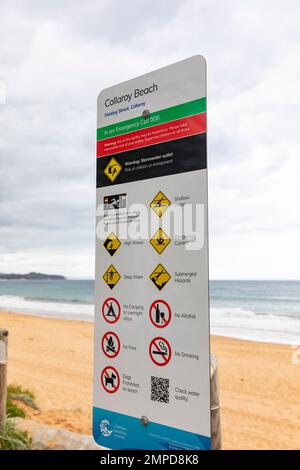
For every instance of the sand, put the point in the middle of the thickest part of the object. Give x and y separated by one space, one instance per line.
260 385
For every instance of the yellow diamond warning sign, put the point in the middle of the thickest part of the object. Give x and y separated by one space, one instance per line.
111 276
160 276
112 243
160 203
160 241
112 170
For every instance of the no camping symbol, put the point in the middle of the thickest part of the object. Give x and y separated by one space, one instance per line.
110 344
160 351
111 310
110 379
160 313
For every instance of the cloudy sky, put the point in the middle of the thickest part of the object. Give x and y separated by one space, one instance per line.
55 56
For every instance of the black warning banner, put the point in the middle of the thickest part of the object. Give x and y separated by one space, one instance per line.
169 158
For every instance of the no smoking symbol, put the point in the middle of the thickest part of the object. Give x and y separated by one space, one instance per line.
110 379
160 313
110 344
160 351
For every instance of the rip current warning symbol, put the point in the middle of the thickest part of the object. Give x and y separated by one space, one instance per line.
160 313
111 276
110 344
160 351
112 243
160 204
111 310
160 277
160 241
110 379
112 170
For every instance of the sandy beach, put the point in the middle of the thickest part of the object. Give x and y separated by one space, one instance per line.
260 386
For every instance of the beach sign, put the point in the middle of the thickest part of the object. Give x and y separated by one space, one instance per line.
151 356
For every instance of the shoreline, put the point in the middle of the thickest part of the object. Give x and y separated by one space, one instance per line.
90 319
259 383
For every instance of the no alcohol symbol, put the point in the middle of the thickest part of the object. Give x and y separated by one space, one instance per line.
160 313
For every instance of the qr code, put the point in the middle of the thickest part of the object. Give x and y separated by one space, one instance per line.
160 389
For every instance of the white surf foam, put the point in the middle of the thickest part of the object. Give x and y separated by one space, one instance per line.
245 324
68 311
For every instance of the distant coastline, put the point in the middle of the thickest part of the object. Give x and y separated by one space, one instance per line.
32 277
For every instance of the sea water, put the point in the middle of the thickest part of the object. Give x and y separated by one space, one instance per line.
256 310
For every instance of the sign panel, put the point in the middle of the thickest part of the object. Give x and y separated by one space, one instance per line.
151 374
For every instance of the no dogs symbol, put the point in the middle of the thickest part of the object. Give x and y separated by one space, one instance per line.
110 379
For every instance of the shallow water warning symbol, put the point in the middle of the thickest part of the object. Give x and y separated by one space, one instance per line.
160 241
111 276
160 276
112 243
160 204
112 170
160 351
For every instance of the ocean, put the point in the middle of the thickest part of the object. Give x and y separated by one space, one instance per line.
266 311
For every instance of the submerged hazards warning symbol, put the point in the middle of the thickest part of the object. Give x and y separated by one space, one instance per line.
160 277
112 243
111 276
160 241
160 204
112 170
160 351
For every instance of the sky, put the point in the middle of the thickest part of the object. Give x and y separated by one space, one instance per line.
55 57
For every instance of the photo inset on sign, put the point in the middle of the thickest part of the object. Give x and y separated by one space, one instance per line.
110 344
110 379
160 351
111 310
160 313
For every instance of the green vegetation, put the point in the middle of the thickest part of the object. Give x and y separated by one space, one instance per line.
13 439
15 393
10 437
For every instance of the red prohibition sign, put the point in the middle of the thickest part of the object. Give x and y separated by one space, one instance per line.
160 351
110 379
160 313
110 344
111 310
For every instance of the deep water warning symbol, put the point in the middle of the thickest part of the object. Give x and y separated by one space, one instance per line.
160 241
112 170
112 243
160 277
111 276
160 204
